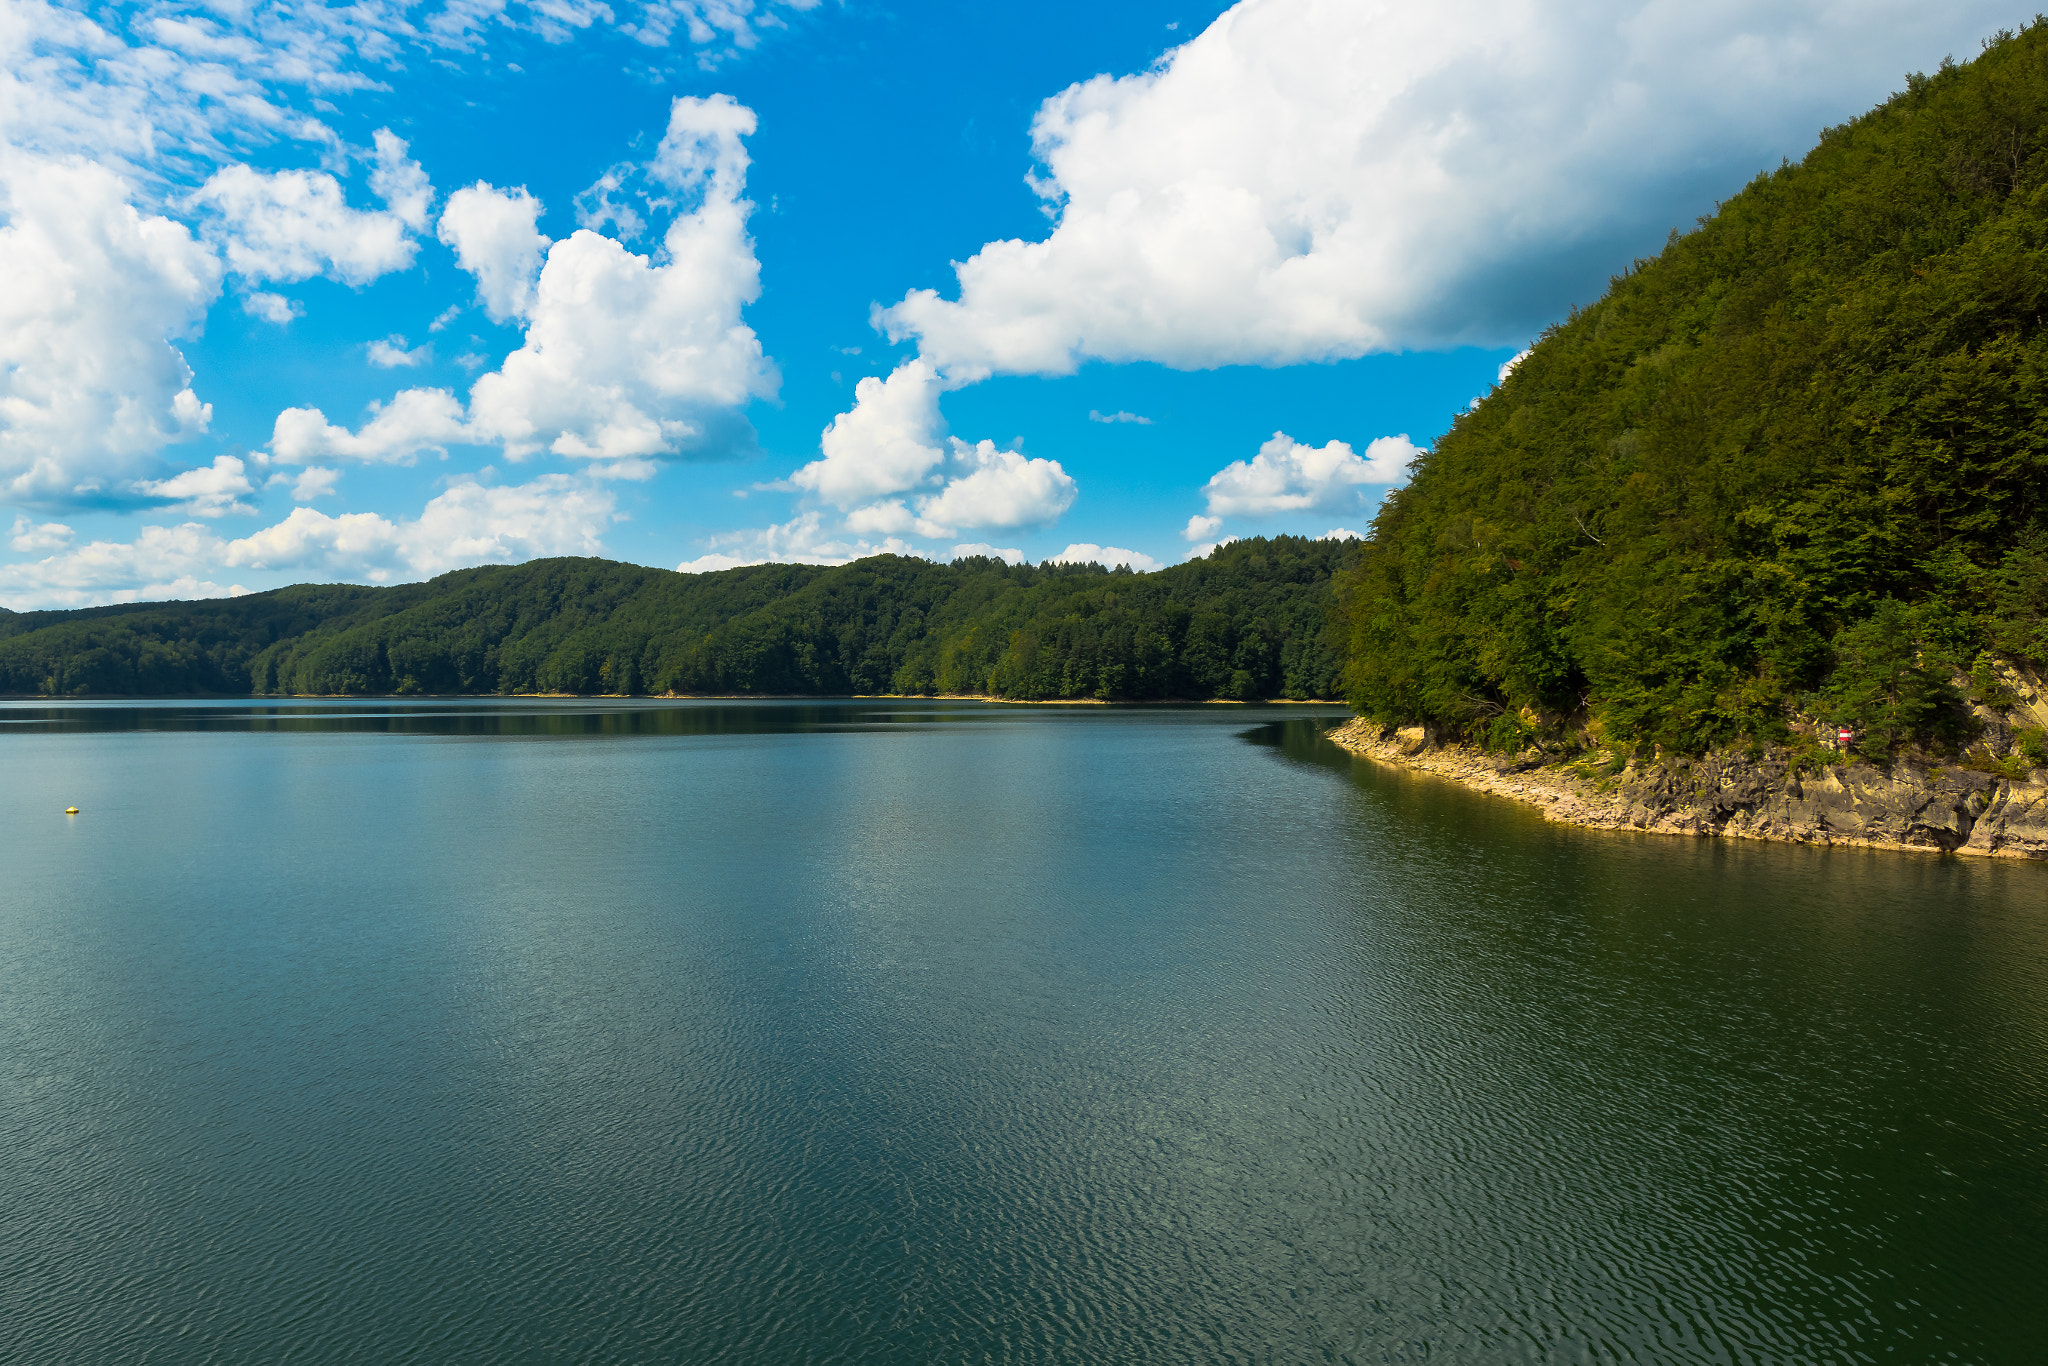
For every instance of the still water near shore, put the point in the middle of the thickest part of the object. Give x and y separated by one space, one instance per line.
936 1032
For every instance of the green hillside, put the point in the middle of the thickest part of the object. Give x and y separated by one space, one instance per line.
1254 619
1798 462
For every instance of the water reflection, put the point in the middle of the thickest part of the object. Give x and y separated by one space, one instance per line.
542 717
877 1031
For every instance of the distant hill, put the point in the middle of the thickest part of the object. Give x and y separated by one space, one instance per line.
1254 619
1797 463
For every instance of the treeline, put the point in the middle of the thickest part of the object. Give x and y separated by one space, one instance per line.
1255 619
1798 462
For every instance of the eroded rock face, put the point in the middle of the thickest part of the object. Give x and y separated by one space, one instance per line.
1911 807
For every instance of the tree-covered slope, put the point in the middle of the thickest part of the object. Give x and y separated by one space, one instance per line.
1254 619
1798 461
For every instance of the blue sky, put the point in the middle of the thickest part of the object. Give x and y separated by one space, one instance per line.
376 291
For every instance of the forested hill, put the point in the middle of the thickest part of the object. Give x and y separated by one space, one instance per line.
1254 619
1798 462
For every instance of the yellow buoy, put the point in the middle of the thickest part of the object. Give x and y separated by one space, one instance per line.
70 810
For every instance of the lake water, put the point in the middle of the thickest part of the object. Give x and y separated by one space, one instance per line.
943 1032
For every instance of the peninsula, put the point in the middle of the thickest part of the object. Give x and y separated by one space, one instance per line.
1758 542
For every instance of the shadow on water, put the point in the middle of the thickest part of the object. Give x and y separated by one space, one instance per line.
532 718
1810 1083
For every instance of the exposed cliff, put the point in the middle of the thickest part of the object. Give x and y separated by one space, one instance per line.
1778 795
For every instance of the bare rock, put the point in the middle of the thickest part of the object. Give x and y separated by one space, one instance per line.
1912 806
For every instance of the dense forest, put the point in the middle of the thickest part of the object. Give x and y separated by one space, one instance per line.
1796 463
1254 619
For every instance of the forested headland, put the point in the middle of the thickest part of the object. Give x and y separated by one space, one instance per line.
1254 619
1795 465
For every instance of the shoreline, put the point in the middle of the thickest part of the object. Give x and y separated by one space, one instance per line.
686 697
1913 808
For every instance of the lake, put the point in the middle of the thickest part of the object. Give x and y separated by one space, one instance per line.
876 1031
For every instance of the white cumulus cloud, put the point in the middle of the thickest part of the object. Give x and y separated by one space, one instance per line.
1314 179
629 357
469 523
311 483
294 225
1108 556
395 433
110 115
209 491
272 308
1288 476
400 181
998 488
494 236
390 353
1008 555
95 294
626 357
30 538
804 539
890 440
893 443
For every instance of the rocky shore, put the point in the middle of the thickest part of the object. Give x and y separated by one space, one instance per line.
1912 806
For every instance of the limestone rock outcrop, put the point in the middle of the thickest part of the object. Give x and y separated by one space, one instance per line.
1911 806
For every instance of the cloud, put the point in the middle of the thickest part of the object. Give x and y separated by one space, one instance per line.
495 239
890 440
395 433
626 356
1287 476
208 491
702 154
390 353
804 539
1203 551
1309 180
313 482
718 28
400 181
91 385
29 538
1109 556
1340 533
998 489
272 308
106 124
1507 368
712 563
972 548
891 443
1094 416
1199 527
294 225
468 524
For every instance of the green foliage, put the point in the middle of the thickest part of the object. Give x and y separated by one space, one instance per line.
1884 683
2032 742
2019 601
1255 619
1803 451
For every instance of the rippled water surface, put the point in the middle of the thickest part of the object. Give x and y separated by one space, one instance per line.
880 1032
